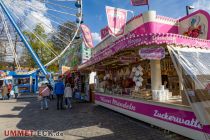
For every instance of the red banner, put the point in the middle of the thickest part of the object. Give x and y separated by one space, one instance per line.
88 40
139 2
104 32
116 20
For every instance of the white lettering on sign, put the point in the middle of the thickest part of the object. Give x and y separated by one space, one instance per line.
158 38
105 100
125 105
192 123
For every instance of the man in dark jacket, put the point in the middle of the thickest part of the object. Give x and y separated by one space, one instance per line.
59 91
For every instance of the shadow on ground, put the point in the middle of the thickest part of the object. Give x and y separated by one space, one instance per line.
84 121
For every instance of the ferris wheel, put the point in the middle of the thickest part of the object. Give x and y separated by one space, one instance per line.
52 24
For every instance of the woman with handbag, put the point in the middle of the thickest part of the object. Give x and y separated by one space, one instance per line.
44 91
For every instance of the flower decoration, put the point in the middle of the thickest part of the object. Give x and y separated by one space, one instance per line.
195 28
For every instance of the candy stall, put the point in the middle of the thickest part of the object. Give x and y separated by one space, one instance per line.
157 72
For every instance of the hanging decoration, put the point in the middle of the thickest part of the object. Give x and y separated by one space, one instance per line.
104 32
88 40
116 20
137 76
139 2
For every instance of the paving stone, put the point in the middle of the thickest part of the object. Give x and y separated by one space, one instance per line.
84 121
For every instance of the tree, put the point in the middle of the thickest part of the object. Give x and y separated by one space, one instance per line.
64 35
36 39
61 39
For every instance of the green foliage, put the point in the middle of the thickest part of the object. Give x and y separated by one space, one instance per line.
64 35
39 42
62 38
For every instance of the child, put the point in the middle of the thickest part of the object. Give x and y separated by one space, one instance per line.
68 94
44 91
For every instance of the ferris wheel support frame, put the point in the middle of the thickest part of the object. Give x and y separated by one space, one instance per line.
27 45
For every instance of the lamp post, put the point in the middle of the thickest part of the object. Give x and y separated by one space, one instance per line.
189 8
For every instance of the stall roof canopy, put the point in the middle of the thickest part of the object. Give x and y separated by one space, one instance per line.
133 40
24 75
152 29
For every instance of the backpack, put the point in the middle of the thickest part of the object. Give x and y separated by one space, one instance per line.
44 91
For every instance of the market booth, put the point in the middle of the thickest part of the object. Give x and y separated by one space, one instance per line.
158 72
80 82
27 82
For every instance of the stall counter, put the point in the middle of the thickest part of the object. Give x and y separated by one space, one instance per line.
173 117
24 88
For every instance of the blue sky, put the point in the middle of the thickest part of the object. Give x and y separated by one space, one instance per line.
94 11
95 16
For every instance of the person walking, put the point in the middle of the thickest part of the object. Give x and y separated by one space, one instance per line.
59 91
51 91
16 91
5 91
68 94
44 92
9 87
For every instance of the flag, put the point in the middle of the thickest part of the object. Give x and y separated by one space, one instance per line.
116 20
104 32
88 40
139 2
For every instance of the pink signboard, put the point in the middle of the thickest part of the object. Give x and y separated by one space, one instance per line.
104 32
134 40
171 115
195 25
152 53
139 2
116 20
87 36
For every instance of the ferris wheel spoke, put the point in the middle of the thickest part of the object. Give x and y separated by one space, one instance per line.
63 52
39 38
57 17
50 9
37 10
42 41
64 0
62 6
52 29
10 40
57 24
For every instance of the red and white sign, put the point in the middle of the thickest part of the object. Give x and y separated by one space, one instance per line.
88 40
104 32
139 2
116 20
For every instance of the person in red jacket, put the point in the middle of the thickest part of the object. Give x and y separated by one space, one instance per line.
9 89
